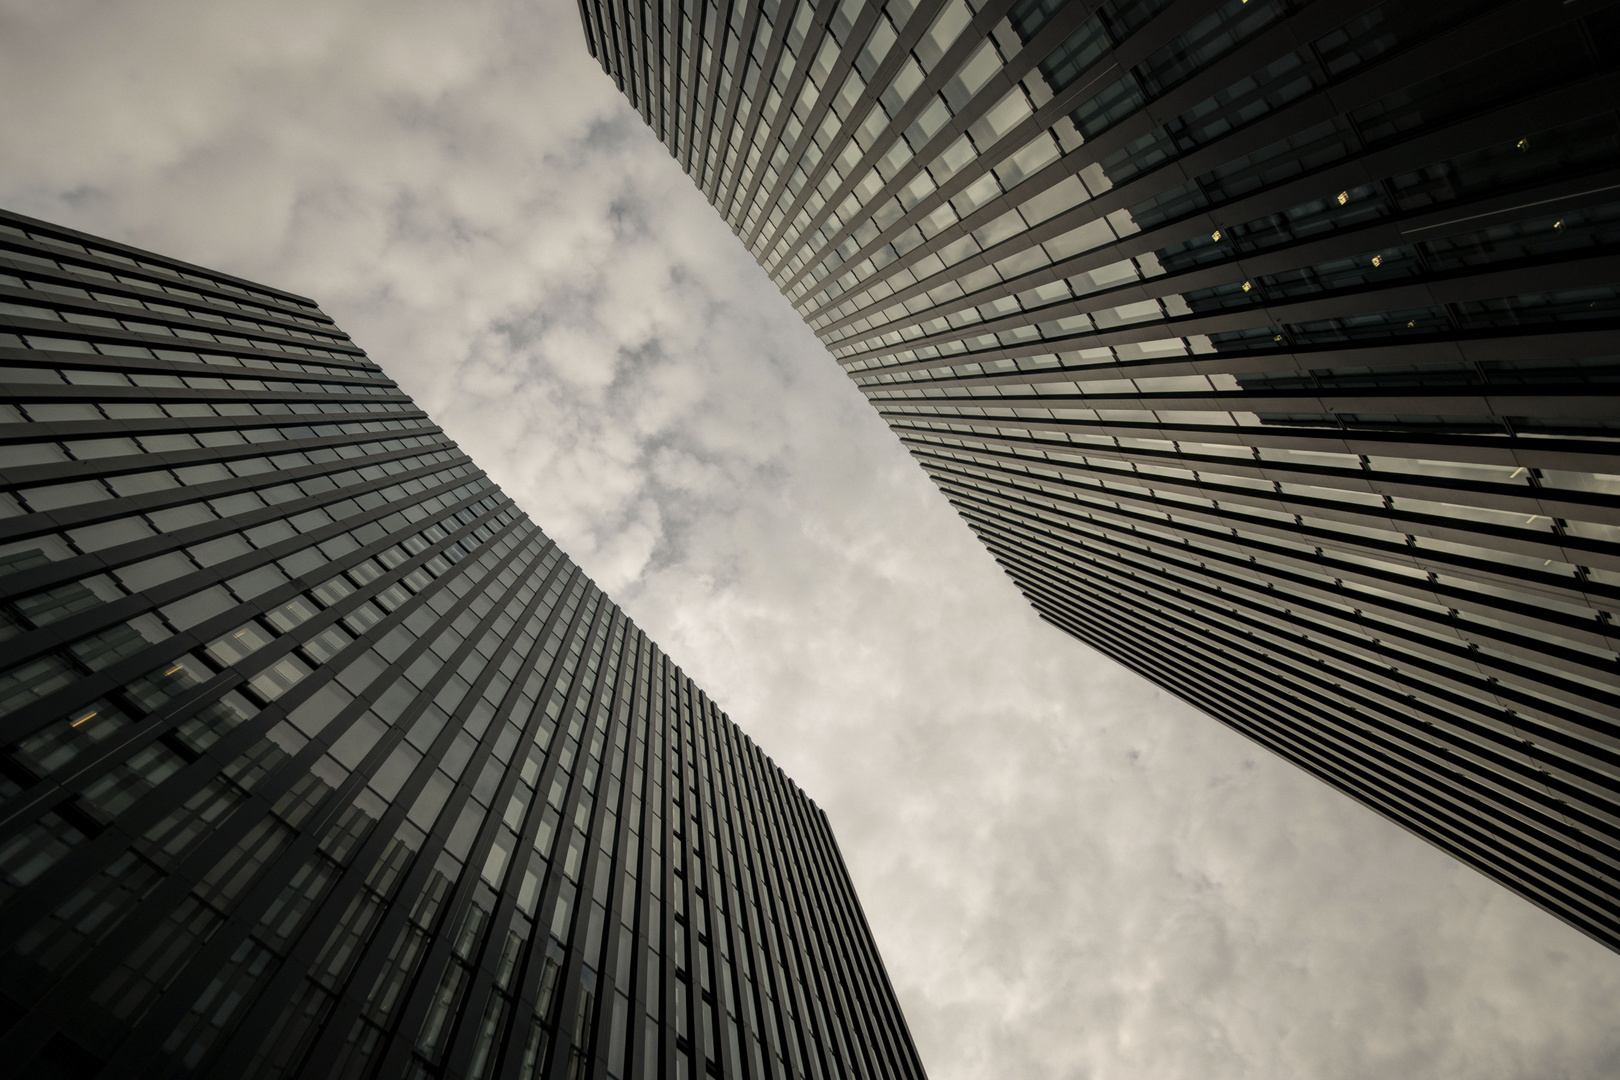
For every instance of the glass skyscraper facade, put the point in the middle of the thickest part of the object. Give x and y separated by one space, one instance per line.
318 759
1269 345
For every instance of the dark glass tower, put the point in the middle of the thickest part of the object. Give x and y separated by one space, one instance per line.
1272 347
320 760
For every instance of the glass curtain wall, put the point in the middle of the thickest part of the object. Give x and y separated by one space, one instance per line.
319 759
1269 345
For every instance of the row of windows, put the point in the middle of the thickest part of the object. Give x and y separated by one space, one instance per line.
162 276
1058 314
1542 561
1212 590
56 376
121 479
30 308
23 684
70 341
1416 542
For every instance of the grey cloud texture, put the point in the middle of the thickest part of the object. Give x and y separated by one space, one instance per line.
1070 873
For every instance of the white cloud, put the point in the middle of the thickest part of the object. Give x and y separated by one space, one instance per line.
1070 873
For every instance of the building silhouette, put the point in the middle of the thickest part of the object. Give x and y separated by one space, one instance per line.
1270 346
321 760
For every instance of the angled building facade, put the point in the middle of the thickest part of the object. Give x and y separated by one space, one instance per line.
318 759
1269 345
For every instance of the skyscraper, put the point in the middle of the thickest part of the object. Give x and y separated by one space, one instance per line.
321 760
1269 345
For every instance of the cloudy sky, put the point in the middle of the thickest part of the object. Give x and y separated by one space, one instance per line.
1070 874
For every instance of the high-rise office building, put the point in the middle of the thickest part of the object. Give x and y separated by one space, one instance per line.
318 759
1272 347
